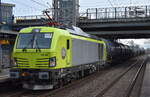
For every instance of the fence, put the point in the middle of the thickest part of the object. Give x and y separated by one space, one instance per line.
117 12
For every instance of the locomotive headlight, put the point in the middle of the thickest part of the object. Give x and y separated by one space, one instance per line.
52 62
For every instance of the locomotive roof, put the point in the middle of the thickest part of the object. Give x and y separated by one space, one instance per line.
78 31
74 31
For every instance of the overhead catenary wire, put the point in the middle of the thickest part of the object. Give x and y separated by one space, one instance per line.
26 5
110 3
87 3
43 1
41 4
93 6
30 9
48 4
96 4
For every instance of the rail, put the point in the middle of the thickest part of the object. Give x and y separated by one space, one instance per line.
101 94
132 84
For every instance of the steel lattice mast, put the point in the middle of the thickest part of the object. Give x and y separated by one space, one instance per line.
66 11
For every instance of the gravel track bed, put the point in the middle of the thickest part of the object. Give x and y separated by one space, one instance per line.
120 88
91 87
136 92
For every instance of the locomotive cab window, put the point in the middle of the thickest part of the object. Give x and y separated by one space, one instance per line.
34 40
68 44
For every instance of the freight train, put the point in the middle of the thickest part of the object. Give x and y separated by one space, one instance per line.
48 57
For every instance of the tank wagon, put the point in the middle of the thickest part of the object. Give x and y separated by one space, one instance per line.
47 57
117 52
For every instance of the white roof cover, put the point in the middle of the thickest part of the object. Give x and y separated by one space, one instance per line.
78 31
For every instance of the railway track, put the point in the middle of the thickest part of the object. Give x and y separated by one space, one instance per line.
94 89
134 88
128 91
130 88
78 88
65 90
28 93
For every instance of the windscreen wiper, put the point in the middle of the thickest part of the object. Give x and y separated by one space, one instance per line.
31 41
37 47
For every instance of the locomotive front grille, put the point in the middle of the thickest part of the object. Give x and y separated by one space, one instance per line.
22 62
42 62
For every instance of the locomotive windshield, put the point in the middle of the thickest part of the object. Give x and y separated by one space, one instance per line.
34 41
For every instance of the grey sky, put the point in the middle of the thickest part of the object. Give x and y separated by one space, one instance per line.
29 7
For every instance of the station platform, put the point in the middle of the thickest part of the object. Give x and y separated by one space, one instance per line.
145 91
4 75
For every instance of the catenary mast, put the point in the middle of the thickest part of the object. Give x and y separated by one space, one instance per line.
66 11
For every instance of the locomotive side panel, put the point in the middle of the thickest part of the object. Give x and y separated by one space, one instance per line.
84 52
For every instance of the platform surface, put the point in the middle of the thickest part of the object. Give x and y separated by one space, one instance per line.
4 75
145 91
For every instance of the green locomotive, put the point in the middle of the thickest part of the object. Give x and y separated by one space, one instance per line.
45 57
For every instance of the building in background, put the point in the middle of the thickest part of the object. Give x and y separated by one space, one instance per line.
6 36
6 16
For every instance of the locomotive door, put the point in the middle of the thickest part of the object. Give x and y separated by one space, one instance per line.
101 52
68 47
